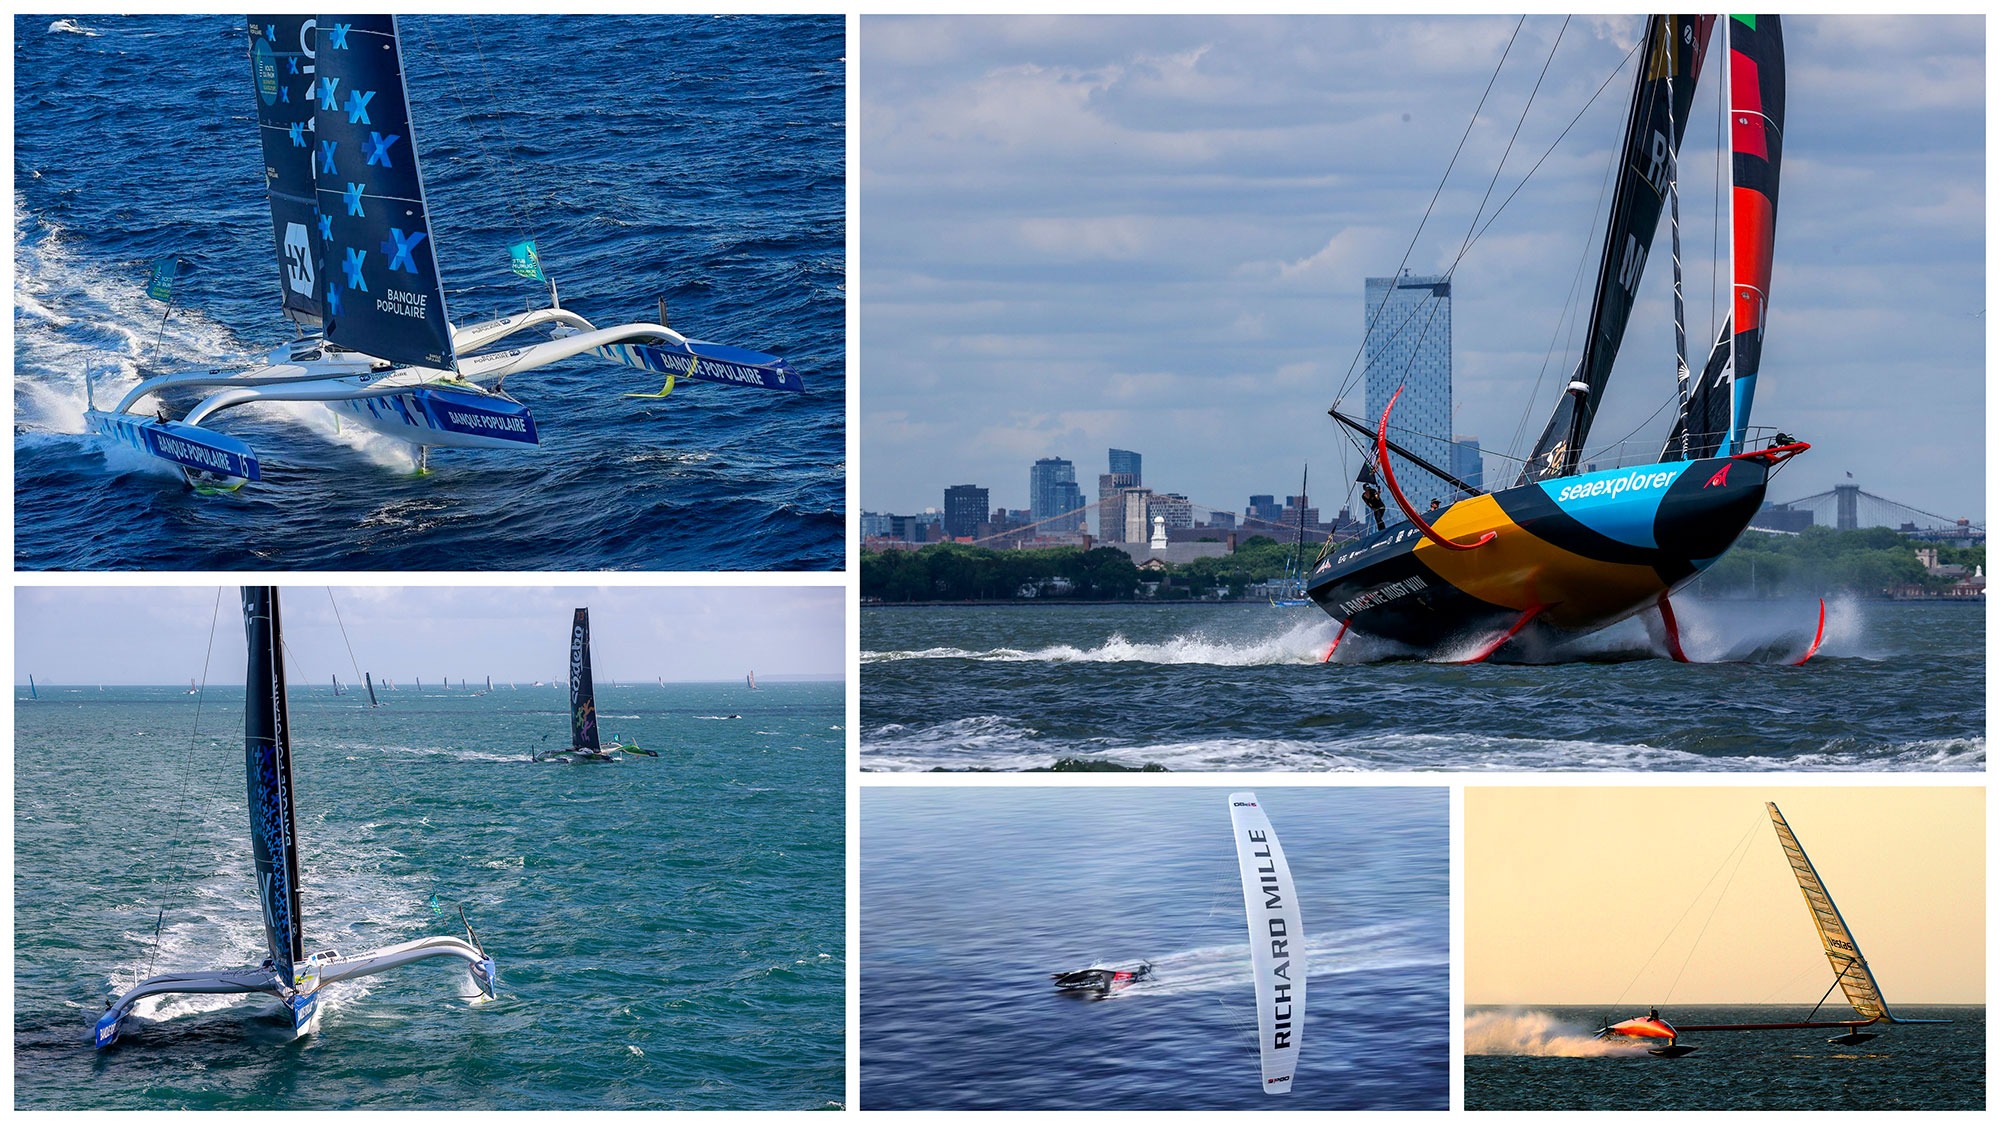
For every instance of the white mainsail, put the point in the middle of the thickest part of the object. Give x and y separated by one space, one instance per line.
1277 941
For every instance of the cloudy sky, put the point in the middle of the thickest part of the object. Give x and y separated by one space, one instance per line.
1151 233
1570 894
160 635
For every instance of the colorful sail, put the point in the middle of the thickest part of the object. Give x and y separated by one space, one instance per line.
282 69
1661 98
582 696
267 759
32 693
1834 937
381 290
1756 142
1277 941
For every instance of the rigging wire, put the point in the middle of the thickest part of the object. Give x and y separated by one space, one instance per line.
355 664
179 853
1347 380
1740 845
1482 229
1712 911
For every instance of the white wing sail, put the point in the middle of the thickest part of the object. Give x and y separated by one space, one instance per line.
1848 964
1277 941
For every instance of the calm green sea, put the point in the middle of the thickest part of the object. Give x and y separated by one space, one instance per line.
670 932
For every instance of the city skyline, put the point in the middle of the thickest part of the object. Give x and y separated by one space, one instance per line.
1184 281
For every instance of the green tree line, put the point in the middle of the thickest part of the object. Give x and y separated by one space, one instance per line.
1819 560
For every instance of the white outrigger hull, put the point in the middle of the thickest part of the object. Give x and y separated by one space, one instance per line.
301 1002
428 408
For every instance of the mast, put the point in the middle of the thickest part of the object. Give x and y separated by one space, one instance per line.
1674 46
582 696
381 288
267 761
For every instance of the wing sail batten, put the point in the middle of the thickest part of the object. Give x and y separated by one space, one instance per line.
1856 980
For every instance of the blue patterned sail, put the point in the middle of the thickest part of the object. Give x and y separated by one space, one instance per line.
380 284
267 759
582 696
281 66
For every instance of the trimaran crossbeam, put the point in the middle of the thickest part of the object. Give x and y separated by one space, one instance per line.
1850 969
359 276
288 973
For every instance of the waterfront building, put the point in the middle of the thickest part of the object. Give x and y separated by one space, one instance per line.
964 510
1126 461
1466 463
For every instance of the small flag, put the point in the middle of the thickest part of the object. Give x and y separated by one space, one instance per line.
525 261
435 907
161 286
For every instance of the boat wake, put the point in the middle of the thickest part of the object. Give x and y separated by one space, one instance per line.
1364 949
1299 644
1529 1032
1712 631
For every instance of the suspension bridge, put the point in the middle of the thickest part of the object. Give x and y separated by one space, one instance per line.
1845 507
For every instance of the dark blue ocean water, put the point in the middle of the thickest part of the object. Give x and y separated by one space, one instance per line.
696 158
970 898
1193 687
1545 1058
670 932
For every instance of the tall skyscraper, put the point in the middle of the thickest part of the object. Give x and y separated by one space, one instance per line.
1126 461
1408 321
1054 496
1466 463
964 510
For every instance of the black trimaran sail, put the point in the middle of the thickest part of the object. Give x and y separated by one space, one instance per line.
1673 53
351 230
582 697
267 760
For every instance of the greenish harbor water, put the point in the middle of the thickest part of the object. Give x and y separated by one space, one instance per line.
670 932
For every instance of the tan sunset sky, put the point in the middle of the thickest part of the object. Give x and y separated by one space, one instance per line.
1569 890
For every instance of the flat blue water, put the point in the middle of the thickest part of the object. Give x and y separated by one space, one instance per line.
970 898
670 932
1545 1059
1896 686
693 158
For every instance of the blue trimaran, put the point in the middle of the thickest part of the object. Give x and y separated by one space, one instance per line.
287 972
360 278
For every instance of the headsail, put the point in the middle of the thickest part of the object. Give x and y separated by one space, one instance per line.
582 697
1835 938
267 759
1277 941
381 287
282 68
1673 53
1756 141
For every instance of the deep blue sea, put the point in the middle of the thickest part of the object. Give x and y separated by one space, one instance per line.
700 159
1896 686
971 897
1546 1059
670 932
